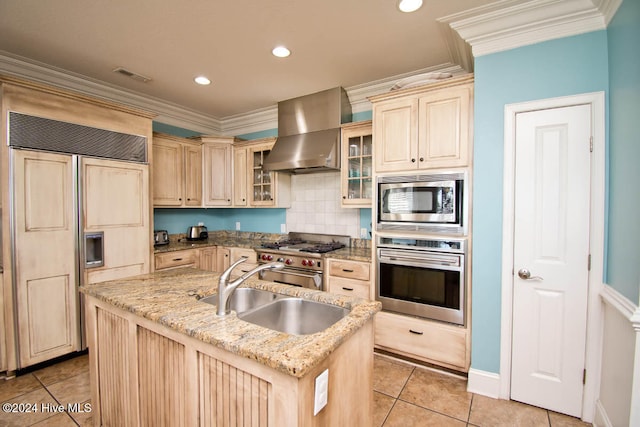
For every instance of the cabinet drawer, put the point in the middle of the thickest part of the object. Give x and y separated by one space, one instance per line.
350 288
349 269
237 253
433 342
176 259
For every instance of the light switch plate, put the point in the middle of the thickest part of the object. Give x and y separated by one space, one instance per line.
283 228
238 225
322 392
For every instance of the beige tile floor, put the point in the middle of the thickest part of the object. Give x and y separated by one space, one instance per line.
405 395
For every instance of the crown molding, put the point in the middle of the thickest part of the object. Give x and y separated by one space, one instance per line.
168 113
176 115
508 24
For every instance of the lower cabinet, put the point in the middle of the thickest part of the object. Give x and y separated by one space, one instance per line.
207 258
186 258
433 342
350 278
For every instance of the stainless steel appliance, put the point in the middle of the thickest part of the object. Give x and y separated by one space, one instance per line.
302 254
197 232
309 132
421 202
160 237
422 277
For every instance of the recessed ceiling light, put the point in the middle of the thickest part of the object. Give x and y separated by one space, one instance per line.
202 80
281 52
409 5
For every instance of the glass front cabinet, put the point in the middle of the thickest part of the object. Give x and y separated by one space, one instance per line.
357 167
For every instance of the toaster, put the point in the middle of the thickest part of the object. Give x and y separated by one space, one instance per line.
160 237
197 233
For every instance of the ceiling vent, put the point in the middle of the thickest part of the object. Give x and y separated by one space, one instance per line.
131 74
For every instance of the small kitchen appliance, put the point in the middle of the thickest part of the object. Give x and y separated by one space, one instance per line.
197 232
160 237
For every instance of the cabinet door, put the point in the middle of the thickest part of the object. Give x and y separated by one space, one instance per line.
262 189
444 117
167 173
217 172
396 135
222 259
45 256
240 177
357 166
207 259
193 175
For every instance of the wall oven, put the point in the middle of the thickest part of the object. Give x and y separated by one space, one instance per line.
421 202
422 277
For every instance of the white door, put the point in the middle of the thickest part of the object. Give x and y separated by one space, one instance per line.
45 256
551 249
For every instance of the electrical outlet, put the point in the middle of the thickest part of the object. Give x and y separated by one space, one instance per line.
283 228
364 233
237 225
201 223
322 392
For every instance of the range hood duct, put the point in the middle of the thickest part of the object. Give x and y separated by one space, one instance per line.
309 133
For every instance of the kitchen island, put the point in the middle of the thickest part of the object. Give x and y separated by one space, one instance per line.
159 356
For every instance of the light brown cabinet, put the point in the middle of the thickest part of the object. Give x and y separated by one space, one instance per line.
350 278
217 174
175 259
177 171
253 186
433 342
357 165
208 258
424 128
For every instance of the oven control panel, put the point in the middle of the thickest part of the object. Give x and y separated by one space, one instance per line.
442 245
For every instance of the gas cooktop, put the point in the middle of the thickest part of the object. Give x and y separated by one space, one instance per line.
308 242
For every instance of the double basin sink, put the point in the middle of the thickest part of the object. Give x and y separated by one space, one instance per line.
282 313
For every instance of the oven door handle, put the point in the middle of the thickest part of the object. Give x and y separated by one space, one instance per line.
426 261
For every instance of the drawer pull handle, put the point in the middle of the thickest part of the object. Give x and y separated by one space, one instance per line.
347 270
416 332
347 289
177 259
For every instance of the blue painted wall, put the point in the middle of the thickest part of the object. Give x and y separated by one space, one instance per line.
178 220
174 130
623 255
568 66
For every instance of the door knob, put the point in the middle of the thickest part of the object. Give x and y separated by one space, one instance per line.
525 274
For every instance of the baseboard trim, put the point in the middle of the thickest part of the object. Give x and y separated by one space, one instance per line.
601 419
484 383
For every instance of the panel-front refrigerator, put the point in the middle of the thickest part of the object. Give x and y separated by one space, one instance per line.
74 220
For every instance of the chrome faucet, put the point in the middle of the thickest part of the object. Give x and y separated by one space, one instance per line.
226 289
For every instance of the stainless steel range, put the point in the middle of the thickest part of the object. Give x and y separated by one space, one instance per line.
302 254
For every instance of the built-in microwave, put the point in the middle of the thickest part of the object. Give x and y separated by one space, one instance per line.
429 202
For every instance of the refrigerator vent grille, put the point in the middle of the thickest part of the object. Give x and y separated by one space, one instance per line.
51 135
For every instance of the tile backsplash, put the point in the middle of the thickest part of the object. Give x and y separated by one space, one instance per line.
315 206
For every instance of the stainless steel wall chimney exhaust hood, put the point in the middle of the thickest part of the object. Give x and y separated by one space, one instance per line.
309 132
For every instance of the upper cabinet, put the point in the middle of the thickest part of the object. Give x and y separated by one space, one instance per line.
357 165
257 187
425 127
177 171
218 174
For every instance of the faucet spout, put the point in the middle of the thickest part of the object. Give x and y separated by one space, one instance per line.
226 289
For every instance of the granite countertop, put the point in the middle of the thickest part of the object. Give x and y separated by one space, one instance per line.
170 298
229 240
